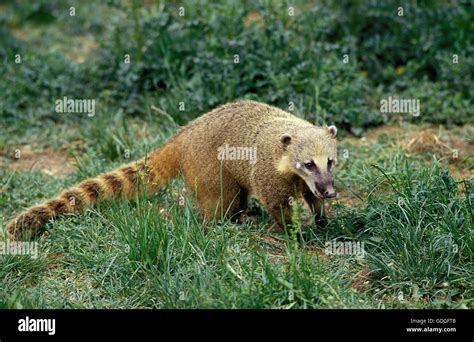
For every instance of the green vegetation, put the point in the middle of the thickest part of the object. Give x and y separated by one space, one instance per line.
282 58
411 207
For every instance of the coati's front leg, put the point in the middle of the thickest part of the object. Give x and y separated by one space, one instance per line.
217 193
317 208
282 216
277 193
279 208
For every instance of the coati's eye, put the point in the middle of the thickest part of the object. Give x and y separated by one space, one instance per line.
331 164
309 165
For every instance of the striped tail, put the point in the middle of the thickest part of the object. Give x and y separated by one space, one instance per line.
153 173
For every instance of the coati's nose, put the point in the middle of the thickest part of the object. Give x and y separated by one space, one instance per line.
329 194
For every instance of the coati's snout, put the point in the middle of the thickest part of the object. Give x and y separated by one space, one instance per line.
312 155
326 190
318 176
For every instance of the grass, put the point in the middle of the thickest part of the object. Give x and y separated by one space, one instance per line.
407 199
154 253
283 59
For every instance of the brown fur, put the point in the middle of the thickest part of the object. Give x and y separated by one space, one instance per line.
283 142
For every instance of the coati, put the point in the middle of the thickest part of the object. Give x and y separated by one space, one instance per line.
294 159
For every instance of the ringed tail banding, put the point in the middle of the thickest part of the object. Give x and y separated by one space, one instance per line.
122 182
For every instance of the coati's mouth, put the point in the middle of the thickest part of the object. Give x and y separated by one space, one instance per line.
328 194
314 190
324 190
317 191
318 194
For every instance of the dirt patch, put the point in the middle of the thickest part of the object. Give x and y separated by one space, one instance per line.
49 161
19 34
85 45
254 18
347 198
460 173
390 130
455 151
273 246
319 252
462 145
415 139
361 281
79 51
55 260
452 146
426 141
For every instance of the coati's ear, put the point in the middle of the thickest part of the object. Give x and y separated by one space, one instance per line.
285 139
332 130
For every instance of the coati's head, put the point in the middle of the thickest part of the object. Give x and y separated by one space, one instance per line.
311 154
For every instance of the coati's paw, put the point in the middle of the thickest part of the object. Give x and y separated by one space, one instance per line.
321 221
275 228
245 218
